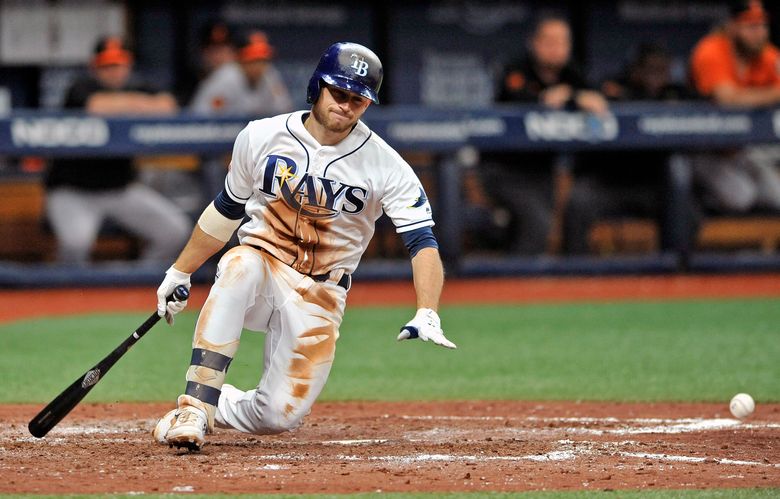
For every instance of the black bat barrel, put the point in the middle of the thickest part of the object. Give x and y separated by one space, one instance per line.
58 408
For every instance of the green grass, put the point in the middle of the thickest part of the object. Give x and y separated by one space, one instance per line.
676 351
622 494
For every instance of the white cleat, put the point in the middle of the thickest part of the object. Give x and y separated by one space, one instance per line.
188 429
162 427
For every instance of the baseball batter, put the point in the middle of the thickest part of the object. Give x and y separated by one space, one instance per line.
313 184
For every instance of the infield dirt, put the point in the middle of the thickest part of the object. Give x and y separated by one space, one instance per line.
404 447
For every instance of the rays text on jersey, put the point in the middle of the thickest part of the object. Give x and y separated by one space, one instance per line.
311 196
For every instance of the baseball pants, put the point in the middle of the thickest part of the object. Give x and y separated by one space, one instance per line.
301 320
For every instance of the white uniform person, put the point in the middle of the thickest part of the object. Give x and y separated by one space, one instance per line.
252 85
313 184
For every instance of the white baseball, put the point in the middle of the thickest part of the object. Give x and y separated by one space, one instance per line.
742 405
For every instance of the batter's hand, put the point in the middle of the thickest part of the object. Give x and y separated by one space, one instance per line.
426 325
172 279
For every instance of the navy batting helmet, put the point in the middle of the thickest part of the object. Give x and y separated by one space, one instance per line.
348 66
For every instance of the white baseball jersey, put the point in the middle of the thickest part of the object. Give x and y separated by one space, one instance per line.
314 207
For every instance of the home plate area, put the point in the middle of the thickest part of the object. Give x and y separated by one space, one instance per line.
347 447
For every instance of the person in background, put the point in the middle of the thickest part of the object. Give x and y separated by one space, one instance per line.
648 77
620 184
737 66
546 73
252 85
523 183
217 47
82 192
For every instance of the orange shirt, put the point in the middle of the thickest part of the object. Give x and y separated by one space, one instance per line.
713 62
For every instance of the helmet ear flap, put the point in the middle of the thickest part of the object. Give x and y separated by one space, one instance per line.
313 92
314 89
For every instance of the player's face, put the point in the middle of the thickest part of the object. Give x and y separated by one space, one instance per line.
751 38
551 44
113 75
338 110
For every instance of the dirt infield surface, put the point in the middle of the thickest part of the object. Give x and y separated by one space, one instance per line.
422 446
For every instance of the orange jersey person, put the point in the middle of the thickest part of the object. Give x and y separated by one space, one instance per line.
737 65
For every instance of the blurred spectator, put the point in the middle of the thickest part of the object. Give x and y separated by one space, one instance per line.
547 75
523 183
83 192
738 66
250 86
647 78
217 48
620 184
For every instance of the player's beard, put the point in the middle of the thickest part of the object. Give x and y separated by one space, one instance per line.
323 117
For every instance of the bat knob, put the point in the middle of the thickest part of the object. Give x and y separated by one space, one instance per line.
181 293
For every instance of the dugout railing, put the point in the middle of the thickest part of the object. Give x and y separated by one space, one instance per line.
446 134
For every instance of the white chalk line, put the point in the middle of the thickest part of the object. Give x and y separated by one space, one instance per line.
627 426
580 420
692 459
686 427
272 467
423 458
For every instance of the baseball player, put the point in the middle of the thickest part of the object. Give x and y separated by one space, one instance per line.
313 184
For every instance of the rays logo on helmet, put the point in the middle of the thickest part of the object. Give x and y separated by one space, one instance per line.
359 65
348 66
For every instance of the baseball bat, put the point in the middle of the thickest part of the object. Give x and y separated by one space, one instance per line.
65 402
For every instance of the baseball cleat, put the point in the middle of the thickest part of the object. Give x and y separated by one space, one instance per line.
188 430
163 425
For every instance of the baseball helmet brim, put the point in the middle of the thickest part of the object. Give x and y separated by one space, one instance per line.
351 86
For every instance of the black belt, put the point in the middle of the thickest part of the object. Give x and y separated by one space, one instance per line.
345 281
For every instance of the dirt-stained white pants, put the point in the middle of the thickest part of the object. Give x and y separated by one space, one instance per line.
301 319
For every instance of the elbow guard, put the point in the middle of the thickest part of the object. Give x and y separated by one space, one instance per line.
217 225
